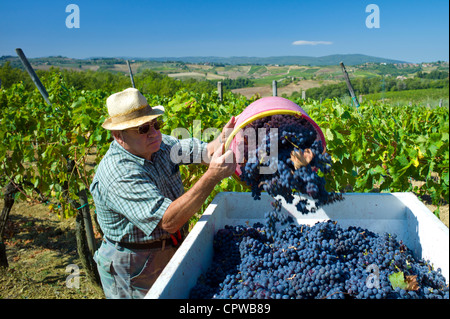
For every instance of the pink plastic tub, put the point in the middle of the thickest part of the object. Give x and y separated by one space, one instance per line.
263 107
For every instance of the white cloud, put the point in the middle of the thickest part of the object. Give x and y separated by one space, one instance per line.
303 42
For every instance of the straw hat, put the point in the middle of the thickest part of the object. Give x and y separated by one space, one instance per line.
129 108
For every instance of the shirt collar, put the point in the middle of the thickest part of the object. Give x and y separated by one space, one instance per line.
115 145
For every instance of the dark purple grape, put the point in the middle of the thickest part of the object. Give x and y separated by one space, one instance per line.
285 179
323 261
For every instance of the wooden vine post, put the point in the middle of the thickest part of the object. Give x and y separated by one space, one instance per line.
349 85
131 74
10 191
86 244
220 90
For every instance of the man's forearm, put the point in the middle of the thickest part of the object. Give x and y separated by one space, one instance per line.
184 207
221 164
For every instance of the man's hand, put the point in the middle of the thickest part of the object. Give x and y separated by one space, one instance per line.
219 142
227 129
222 164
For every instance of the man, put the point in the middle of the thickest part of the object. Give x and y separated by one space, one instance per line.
140 201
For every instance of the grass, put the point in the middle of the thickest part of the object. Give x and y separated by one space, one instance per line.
423 97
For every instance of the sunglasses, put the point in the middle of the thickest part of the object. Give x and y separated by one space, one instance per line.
145 128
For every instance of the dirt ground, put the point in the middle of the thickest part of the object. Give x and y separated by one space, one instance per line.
41 252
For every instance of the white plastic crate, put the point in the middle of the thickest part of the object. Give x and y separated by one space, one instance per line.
396 213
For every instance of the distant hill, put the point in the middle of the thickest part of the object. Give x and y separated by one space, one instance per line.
335 59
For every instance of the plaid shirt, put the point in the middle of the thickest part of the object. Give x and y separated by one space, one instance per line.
131 194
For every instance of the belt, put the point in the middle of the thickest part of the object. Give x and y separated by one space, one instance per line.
152 245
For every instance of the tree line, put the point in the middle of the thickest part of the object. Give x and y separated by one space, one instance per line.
147 81
435 75
380 84
151 82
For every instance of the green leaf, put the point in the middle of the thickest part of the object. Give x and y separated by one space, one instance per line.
359 155
398 280
445 137
445 178
437 212
377 170
81 140
339 136
403 160
346 116
329 134
36 182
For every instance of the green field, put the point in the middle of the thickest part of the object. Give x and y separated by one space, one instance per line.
423 97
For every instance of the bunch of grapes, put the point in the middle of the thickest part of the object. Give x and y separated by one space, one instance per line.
291 172
323 261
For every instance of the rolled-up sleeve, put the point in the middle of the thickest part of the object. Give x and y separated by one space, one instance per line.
187 151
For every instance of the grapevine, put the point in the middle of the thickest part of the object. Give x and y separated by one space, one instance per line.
380 147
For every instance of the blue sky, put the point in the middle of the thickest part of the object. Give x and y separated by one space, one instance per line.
414 31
